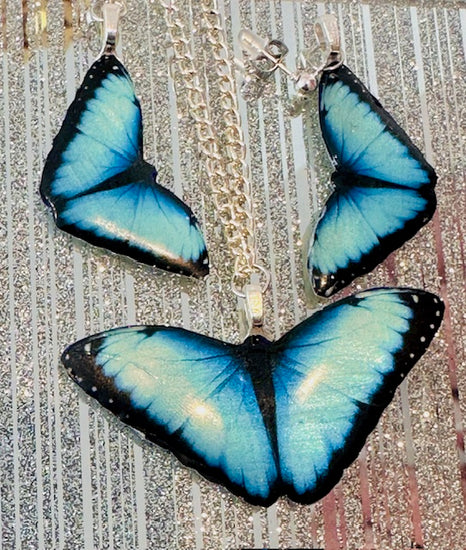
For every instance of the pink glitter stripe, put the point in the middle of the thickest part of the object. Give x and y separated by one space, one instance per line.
330 522
451 354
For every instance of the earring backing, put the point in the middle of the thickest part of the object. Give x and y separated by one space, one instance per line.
263 57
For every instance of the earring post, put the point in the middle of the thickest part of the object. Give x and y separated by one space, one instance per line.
258 48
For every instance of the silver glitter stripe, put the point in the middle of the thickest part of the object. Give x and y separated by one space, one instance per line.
12 297
34 309
87 501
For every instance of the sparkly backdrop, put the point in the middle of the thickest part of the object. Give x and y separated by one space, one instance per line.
73 477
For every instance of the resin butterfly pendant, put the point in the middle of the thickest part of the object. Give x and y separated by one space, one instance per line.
264 419
384 188
101 190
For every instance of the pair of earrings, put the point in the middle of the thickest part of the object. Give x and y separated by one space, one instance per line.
100 188
265 419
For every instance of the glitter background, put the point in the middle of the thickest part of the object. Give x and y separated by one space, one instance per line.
73 477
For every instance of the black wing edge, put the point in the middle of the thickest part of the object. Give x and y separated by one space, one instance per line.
79 362
428 312
344 74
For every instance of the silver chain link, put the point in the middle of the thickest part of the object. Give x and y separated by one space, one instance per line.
225 160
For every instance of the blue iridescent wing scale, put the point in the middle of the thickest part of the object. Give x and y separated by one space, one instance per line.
384 188
187 392
335 373
101 190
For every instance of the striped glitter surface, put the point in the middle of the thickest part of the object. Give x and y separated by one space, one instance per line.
71 475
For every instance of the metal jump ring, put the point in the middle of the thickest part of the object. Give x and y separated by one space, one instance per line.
258 267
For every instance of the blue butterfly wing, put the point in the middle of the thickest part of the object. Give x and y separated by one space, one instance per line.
334 375
384 187
101 190
359 226
186 392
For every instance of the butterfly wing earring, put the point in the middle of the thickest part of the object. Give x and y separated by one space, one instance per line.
384 187
97 183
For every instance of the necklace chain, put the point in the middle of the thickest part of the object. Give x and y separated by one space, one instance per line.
227 172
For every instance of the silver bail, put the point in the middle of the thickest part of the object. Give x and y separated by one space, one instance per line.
325 56
328 37
252 301
111 13
326 30
254 305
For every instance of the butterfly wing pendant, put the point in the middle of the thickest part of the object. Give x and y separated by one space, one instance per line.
101 190
384 188
265 419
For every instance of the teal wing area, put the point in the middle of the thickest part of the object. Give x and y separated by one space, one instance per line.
100 189
334 375
132 215
186 392
359 226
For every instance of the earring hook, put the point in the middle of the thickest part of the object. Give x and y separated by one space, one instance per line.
266 57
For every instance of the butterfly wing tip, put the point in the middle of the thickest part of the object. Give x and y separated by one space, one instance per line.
78 359
197 270
202 273
428 309
439 308
44 192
